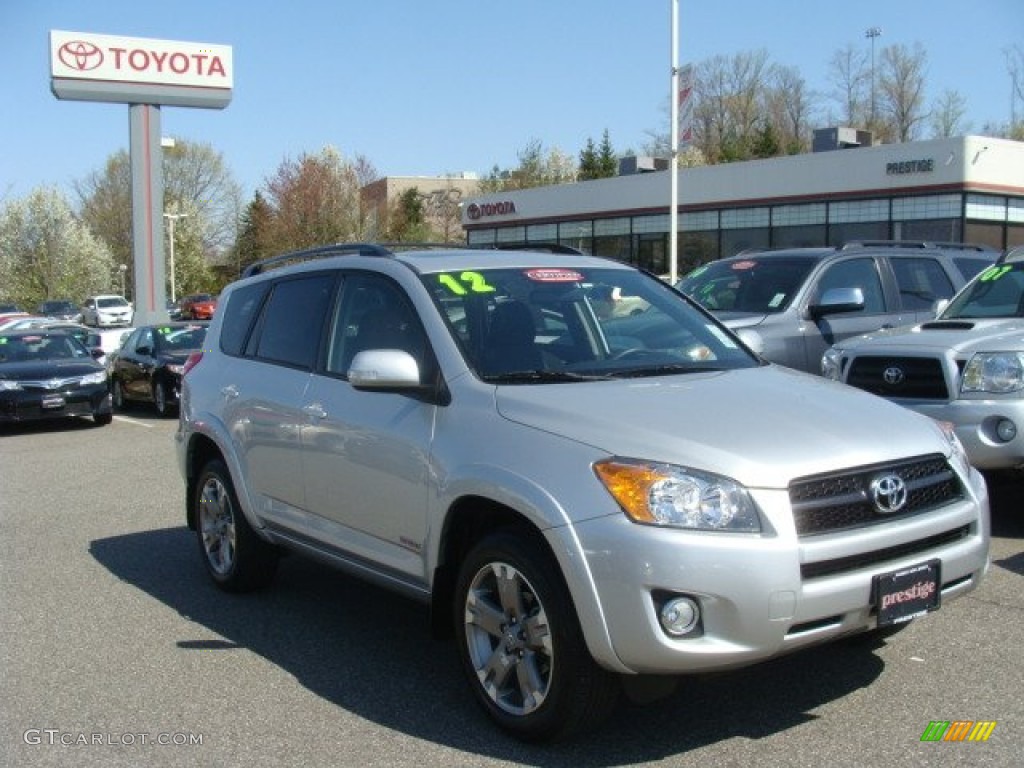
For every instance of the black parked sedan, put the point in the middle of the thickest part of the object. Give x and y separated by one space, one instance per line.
49 374
147 368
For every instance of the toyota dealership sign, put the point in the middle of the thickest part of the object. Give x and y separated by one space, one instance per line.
90 67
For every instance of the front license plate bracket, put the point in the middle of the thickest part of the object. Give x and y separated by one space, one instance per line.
905 594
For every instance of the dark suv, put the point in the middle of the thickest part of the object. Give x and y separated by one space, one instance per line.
802 300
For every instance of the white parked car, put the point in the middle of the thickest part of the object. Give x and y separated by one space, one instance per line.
107 311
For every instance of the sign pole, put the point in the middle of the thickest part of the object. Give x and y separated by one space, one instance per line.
673 235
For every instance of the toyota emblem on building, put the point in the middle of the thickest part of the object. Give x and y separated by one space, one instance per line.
894 376
80 55
889 493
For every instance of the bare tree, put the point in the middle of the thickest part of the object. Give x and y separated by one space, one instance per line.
901 86
729 98
947 115
789 105
850 75
1015 67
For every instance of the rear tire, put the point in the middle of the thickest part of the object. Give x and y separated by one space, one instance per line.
161 399
520 642
117 395
236 558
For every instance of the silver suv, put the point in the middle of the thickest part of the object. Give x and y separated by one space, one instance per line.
965 366
800 301
587 500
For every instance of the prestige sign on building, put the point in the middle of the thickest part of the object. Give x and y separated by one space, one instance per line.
90 67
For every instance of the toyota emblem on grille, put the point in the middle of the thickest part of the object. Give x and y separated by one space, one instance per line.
889 493
894 375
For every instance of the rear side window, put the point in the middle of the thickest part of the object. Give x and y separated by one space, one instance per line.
921 282
292 320
243 307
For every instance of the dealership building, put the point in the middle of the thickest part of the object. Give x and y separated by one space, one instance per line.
964 189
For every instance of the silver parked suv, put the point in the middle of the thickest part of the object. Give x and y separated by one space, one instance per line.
588 500
965 366
800 301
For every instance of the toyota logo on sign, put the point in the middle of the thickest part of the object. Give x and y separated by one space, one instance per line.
889 493
80 55
473 211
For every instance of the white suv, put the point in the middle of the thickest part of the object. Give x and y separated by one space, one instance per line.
586 499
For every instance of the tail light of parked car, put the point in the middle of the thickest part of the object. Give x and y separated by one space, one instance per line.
192 362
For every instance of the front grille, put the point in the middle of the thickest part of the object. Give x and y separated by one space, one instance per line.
839 501
875 557
919 377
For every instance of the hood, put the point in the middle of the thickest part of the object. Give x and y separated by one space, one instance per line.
962 337
761 426
43 370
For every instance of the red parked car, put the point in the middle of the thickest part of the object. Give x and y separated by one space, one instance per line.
198 306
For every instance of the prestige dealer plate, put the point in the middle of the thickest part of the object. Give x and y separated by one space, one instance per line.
906 594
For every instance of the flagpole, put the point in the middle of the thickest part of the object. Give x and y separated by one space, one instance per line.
673 236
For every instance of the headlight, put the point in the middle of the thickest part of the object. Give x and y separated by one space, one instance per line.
831 364
678 497
9 386
997 372
959 454
94 378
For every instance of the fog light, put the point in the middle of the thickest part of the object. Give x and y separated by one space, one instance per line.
679 616
1006 430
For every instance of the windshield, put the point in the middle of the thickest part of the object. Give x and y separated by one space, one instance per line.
525 325
172 339
996 292
111 302
42 346
748 284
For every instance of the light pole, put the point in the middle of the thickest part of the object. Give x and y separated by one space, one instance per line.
872 33
171 218
122 268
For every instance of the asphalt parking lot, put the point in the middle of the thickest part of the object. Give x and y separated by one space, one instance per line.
118 652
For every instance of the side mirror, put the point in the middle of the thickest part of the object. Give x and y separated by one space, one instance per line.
838 300
384 369
939 307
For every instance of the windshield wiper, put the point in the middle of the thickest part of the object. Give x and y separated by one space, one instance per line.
662 370
526 377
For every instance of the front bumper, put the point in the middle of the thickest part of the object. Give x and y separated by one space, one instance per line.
34 405
975 422
755 601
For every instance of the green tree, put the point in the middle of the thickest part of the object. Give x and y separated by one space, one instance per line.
47 253
254 241
598 162
192 271
537 168
406 219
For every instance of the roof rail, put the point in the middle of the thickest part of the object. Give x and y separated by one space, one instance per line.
541 248
912 244
322 252
1012 255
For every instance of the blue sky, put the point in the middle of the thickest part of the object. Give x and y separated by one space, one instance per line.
429 88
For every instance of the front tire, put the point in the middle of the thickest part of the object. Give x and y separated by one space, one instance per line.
117 395
236 558
521 645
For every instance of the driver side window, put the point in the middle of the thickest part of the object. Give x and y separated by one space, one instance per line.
855 273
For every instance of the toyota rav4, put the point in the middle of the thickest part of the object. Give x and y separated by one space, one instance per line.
587 500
